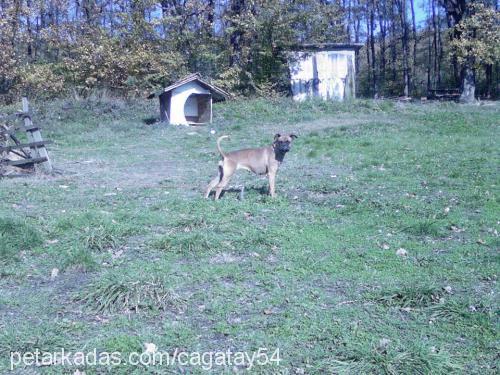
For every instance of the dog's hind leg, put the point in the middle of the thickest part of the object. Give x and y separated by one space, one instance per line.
214 182
227 172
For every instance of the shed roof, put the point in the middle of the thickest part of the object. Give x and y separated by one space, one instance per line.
326 46
217 93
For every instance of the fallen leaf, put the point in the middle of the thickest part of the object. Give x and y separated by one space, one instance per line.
54 273
383 343
150 347
102 320
117 254
401 252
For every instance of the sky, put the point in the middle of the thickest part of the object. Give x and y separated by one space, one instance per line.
420 13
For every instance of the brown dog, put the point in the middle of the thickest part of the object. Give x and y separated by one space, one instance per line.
263 160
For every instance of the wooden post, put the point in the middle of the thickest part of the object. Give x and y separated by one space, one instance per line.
34 135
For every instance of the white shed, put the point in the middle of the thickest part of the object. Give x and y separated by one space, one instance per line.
326 70
189 101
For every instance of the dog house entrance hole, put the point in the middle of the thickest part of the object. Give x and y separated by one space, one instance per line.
198 109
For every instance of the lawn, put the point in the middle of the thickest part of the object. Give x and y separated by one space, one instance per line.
379 255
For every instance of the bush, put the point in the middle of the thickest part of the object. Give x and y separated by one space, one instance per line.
39 80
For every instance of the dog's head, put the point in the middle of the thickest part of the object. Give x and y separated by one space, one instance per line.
282 142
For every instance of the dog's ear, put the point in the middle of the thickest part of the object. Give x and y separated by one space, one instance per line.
276 136
293 136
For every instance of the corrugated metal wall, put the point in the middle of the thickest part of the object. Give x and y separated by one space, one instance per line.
326 74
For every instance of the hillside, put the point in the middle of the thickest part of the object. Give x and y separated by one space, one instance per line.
380 254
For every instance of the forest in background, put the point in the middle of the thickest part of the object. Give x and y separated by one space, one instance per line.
51 48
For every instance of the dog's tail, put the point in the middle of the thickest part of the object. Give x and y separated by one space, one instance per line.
218 145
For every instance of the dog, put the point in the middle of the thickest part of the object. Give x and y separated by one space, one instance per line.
261 161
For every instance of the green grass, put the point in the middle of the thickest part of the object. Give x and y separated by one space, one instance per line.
16 236
143 258
117 293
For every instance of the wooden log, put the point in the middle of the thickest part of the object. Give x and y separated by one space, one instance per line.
18 128
15 175
14 116
17 142
24 161
23 145
36 136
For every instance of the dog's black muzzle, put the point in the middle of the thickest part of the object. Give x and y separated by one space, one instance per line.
283 147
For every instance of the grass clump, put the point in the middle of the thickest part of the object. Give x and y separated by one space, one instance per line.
374 358
117 294
123 344
95 231
16 236
186 242
102 237
424 227
413 296
81 259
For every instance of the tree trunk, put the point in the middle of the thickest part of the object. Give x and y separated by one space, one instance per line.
393 44
372 48
489 79
440 47
383 31
434 42
348 26
30 32
405 46
468 84
415 38
356 26
237 7
429 48
368 59
455 11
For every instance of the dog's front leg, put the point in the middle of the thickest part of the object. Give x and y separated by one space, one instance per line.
272 181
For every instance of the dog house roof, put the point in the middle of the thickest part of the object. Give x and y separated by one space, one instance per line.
217 93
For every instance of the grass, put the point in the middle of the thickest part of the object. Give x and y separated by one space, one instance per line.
16 236
412 296
79 259
143 258
114 293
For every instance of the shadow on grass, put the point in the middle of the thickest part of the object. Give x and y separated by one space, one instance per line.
241 192
150 120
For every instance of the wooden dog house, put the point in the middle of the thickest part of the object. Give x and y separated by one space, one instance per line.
189 101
